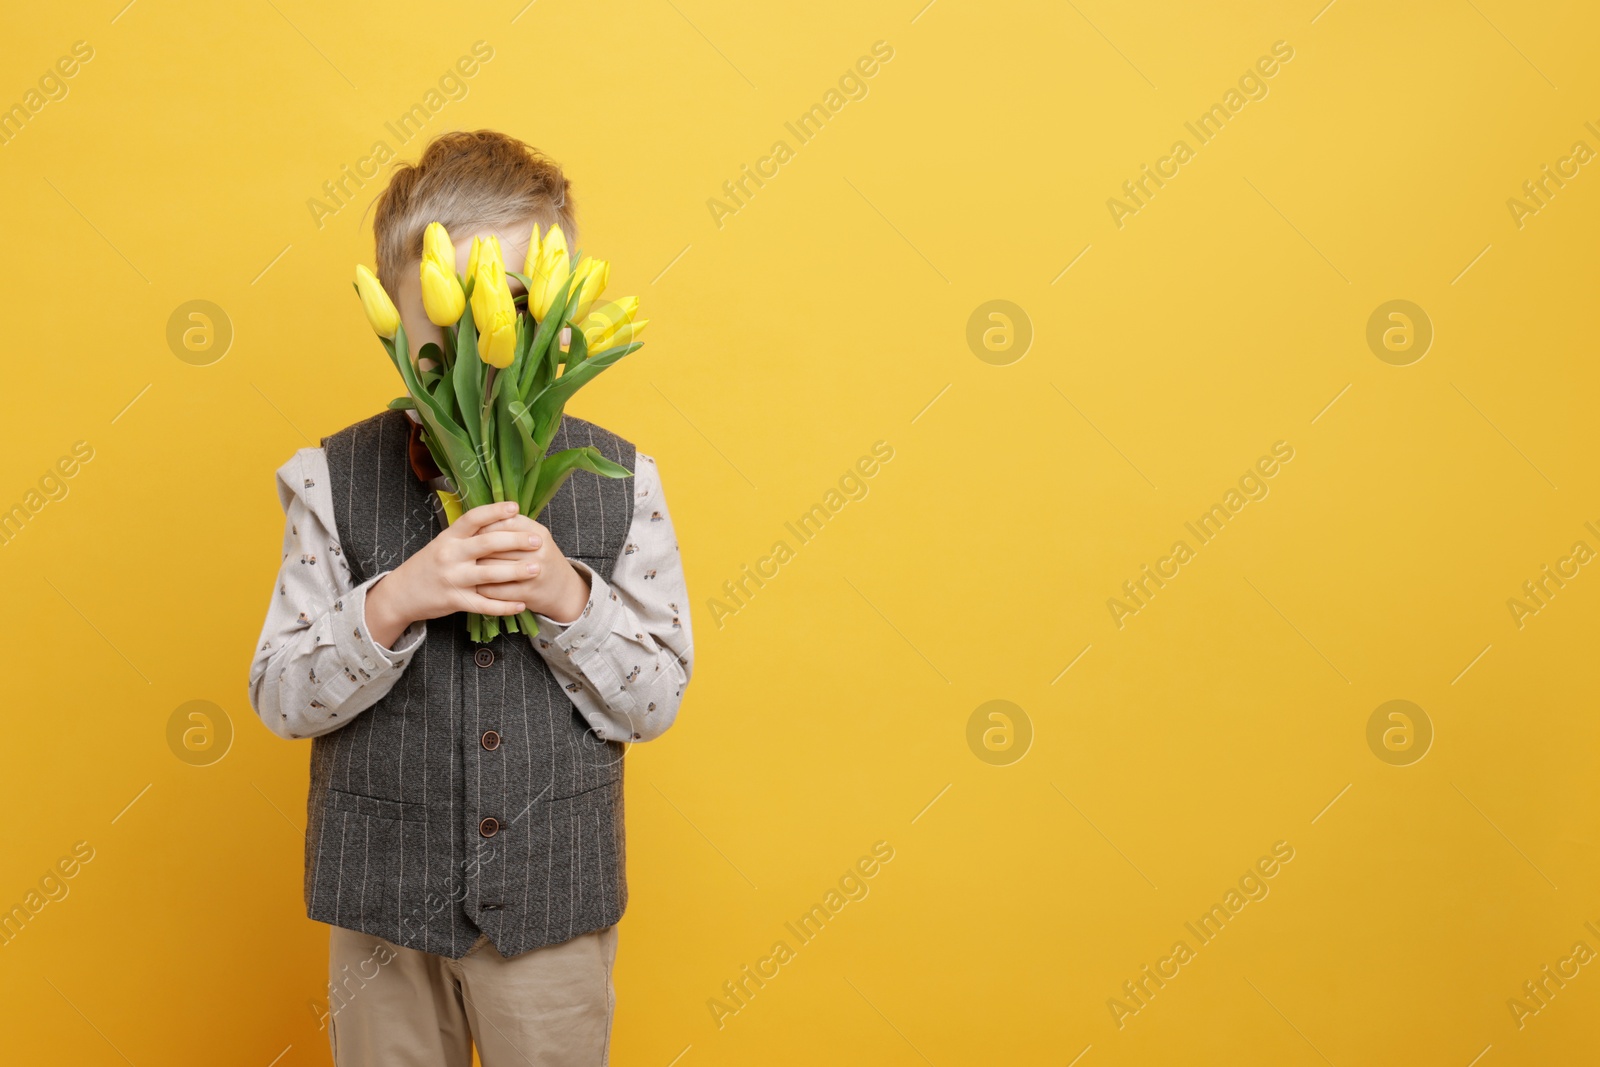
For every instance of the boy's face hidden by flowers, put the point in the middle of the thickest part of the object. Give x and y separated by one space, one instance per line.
513 239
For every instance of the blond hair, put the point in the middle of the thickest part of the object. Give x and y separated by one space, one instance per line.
465 181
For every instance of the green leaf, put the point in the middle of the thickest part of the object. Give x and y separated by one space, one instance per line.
432 352
445 391
508 451
559 466
402 403
607 469
452 450
577 348
569 297
519 411
467 376
611 355
489 449
399 351
547 406
547 419
519 356
542 340
516 415
455 458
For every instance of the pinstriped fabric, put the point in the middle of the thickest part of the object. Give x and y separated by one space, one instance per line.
397 797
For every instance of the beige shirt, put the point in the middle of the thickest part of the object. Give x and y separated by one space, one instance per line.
624 661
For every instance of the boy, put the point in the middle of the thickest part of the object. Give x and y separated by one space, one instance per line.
464 832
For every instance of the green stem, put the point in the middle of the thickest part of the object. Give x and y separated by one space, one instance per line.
489 445
511 457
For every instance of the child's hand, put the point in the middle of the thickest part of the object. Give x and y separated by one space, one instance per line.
447 574
554 588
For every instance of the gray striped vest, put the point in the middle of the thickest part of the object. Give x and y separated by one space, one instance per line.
473 797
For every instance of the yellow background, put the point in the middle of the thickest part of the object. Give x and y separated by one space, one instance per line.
832 709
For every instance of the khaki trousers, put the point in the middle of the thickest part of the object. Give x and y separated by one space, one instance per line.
391 1006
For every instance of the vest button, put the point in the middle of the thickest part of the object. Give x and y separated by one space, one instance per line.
483 657
489 827
491 740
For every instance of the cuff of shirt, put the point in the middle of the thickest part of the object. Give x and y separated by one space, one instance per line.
579 645
582 635
361 658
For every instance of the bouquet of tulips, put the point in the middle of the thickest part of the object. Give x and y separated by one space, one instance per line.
490 400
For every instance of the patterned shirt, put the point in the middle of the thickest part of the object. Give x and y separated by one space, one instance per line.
624 661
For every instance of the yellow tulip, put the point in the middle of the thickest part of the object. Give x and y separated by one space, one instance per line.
375 302
442 296
478 244
494 313
624 334
452 505
437 246
499 348
550 273
530 262
592 275
605 319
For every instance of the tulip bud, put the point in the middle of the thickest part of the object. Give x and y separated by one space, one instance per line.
494 312
499 347
604 320
550 273
555 240
613 312
381 313
592 274
530 262
442 296
437 246
623 334
478 245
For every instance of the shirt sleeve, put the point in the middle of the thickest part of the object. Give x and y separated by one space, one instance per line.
316 667
626 660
